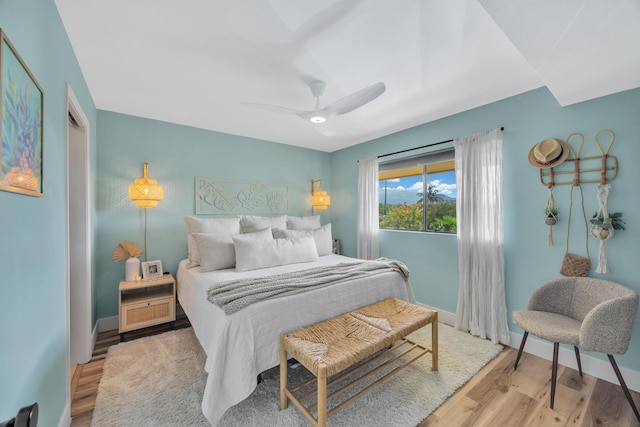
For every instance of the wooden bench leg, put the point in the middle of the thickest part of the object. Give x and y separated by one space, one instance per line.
283 378
322 395
434 344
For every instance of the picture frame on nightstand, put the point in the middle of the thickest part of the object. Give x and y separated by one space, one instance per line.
152 270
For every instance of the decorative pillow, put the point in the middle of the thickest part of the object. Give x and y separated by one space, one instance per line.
251 223
215 253
252 255
256 236
321 236
304 223
221 228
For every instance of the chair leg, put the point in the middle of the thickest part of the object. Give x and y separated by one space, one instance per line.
554 372
578 359
624 386
524 339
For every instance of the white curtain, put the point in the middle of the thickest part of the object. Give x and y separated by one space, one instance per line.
368 226
481 298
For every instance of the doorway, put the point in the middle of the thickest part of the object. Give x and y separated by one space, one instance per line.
78 251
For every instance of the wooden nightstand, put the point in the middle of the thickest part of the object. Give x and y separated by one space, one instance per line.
146 303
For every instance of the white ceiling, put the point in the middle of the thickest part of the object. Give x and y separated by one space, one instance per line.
194 62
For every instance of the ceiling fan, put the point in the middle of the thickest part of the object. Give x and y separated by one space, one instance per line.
321 117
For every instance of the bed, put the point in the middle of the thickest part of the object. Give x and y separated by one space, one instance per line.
241 345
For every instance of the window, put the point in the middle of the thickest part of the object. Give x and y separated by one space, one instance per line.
419 193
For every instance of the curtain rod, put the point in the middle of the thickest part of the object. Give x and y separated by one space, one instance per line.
418 148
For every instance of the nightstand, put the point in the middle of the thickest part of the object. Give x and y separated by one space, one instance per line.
146 303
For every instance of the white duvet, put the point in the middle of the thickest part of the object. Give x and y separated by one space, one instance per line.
241 345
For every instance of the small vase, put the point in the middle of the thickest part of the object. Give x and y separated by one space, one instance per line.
132 269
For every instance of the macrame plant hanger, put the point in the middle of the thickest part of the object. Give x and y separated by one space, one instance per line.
597 231
551 211
574 265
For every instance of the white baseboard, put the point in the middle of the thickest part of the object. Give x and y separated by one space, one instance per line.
65 417
94 337
445 317
566 356
590 365
108 324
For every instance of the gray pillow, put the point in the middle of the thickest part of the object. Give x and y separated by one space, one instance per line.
303 223
252 223
221 228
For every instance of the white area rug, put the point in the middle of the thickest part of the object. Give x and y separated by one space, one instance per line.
159 381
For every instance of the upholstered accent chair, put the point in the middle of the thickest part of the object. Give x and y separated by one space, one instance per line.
586 313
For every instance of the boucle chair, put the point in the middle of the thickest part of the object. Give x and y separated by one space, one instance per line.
589 314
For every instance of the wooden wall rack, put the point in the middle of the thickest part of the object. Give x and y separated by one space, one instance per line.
584 169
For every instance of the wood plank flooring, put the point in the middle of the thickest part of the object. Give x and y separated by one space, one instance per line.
497 396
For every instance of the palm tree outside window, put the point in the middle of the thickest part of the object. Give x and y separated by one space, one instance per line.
404 182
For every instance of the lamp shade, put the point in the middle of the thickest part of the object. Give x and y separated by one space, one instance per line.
146 192
320 200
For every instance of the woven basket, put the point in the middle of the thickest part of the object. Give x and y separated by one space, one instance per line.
575 265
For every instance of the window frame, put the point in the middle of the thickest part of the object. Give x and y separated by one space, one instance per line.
445 156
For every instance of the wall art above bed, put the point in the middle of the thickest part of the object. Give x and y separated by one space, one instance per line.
224 196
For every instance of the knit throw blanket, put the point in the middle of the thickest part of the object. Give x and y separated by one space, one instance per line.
234 295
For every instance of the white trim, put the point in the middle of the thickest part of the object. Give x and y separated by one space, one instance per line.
445 317
94 337
65 417
88 338
566 356
590 365
108 324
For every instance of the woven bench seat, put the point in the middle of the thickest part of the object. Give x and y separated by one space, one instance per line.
334 345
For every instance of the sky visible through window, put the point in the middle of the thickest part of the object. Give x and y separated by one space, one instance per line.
400 190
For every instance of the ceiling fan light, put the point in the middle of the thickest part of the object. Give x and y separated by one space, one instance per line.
317 119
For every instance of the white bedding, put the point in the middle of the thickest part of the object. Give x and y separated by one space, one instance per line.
241 345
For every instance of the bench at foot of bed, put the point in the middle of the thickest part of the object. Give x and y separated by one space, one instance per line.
334 345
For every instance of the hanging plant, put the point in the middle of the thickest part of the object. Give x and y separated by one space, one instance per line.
602 227
551 215
613 220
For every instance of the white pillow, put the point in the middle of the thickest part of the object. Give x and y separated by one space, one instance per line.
215 253
252 255
261 235
221 228
304 223
321 236
251 223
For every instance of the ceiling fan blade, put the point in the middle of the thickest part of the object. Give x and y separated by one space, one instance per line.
274 108
356 99
327 128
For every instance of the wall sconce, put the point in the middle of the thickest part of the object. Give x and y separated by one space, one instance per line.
146 192
320 200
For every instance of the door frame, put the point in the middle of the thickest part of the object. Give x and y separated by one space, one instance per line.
82 305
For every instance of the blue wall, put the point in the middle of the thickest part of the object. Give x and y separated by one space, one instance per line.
33 365
33 320
176 155
529 261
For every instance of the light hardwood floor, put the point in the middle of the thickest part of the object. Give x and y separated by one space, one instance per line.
497 396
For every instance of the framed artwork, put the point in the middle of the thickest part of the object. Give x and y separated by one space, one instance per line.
21 125
152 270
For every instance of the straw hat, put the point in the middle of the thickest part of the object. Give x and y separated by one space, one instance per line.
549 153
